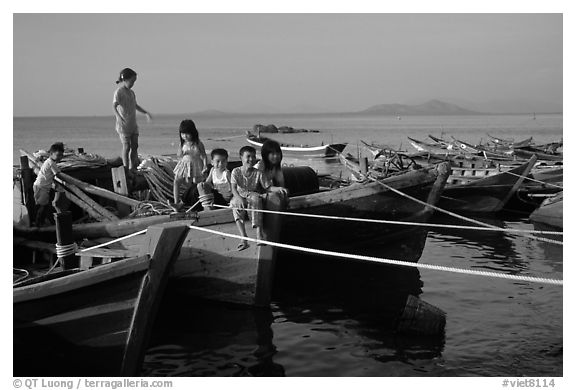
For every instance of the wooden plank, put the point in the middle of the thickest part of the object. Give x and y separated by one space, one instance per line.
89 187
81 279
518 183
27 188
105 214
164 242
120 185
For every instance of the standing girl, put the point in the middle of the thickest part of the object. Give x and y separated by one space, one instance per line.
193 164
125 108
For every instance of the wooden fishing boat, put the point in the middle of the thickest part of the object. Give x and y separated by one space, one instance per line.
487 194
211 267
475 184
442 142
327 150
510 142
95 321
481 150
435 148
550 212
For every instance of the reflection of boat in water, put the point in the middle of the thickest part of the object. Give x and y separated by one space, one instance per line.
206 339
373 296
333 305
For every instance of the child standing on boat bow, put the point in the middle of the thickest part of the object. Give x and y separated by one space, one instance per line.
193 165
125 107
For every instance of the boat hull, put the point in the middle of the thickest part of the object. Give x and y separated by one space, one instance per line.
91 325
93 322
328 150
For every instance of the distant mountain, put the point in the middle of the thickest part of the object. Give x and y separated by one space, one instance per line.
212 113
432 107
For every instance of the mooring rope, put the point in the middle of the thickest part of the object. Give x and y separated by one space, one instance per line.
408 223
385 261
537 181
113 241
21 278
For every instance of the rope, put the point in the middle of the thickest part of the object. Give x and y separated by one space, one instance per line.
207 200
66 250
384 221
386 261
537 181
21 278
113 241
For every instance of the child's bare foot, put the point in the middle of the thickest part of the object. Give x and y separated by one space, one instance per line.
242 245
259 238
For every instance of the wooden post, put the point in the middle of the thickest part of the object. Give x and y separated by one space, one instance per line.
64 237
80 150
163 243
364 165
27 177
120 185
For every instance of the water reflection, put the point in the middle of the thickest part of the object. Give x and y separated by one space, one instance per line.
199 338
500 251
350 308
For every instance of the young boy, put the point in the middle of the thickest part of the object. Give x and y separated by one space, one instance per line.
246 187
45 180
218 181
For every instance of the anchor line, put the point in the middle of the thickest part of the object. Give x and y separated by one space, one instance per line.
373 259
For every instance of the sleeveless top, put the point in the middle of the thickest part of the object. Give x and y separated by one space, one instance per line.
222 180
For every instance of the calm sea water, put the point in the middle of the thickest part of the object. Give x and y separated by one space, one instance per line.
338 320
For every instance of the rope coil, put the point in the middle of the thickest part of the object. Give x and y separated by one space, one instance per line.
386 261
66 250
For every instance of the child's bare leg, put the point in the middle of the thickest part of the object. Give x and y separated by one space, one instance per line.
134 152
242 229
176 193
126 155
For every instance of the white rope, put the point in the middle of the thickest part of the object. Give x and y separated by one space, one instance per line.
537 181
66 250
21 278
113 241
386 261
408 223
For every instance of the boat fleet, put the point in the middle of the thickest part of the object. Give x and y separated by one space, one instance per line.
122 258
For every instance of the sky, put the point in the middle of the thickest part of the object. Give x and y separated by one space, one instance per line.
67 64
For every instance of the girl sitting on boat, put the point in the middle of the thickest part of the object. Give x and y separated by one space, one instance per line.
193 163
246 187
272 178
217 187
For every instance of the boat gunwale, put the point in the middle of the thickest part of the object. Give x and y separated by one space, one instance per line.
89 277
